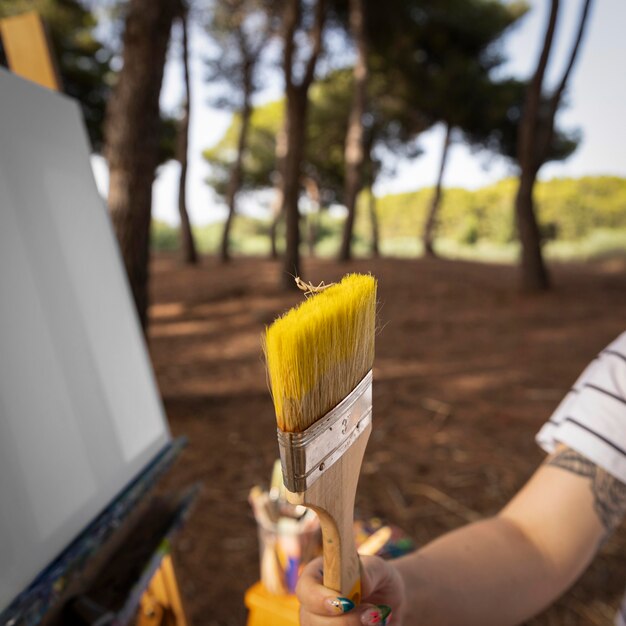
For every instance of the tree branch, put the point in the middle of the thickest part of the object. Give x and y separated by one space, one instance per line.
528 125
556 97
547 124
316 38
290 21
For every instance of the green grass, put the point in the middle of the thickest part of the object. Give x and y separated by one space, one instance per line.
600 244
251 237
586 217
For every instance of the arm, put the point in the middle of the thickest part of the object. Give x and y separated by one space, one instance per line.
506 569
502 570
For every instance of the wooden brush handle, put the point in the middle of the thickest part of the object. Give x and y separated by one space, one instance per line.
332 498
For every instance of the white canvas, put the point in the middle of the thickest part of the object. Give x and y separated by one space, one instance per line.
80 414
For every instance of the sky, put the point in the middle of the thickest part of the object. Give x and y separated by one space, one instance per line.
596 98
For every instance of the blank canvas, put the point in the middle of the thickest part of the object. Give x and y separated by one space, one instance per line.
80 414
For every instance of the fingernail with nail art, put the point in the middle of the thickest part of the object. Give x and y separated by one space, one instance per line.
340 605
379 616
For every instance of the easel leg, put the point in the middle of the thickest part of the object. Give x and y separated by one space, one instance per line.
161 604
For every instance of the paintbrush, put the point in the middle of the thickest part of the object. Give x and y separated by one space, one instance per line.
319 358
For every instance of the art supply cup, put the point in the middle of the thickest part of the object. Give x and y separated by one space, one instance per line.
285 547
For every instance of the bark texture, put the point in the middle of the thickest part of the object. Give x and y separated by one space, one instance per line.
190 256
535 135
277 203
354 149
313 191
297 93
374 247
132 136
428 236
236 172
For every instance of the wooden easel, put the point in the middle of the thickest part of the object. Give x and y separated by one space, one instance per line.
161 604
29 55
28 51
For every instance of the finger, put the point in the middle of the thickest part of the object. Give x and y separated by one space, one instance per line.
374 615
320 602
317 599
376 575
363 615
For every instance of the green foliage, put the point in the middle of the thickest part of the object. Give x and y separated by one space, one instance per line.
587 216
259 157
330 100
163 237
326 131
437 57
250 236
430 60
573 207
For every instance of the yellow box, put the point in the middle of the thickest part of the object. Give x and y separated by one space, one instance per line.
266 609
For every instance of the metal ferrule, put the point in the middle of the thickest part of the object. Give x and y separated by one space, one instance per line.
307 455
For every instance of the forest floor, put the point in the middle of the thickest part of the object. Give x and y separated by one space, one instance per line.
466 372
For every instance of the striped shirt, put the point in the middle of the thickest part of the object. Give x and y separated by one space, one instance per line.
591 419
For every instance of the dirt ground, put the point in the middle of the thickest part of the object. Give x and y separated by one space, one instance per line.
466 372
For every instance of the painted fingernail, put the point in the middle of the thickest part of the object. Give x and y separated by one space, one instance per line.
380 616
385 613
340 605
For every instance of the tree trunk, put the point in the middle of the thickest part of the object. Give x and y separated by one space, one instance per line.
312 224
132 136
225 245
277 212
546 137
374 246
534 139
296 126
277 204
235 174
534 274
297 100
354 149
428 236
313 191
370 173
190 255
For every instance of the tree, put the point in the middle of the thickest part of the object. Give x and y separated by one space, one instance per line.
429 224
535 137
188 245
240 29
132 136
459 40
393 126
260 157
355 137
297 99
323 166
277 206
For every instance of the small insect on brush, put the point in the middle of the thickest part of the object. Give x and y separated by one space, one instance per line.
319 359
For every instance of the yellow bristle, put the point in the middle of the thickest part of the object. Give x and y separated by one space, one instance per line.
318 351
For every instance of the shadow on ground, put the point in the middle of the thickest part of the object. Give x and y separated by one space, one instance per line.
466 372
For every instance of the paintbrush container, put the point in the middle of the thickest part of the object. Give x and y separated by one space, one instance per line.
285 547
